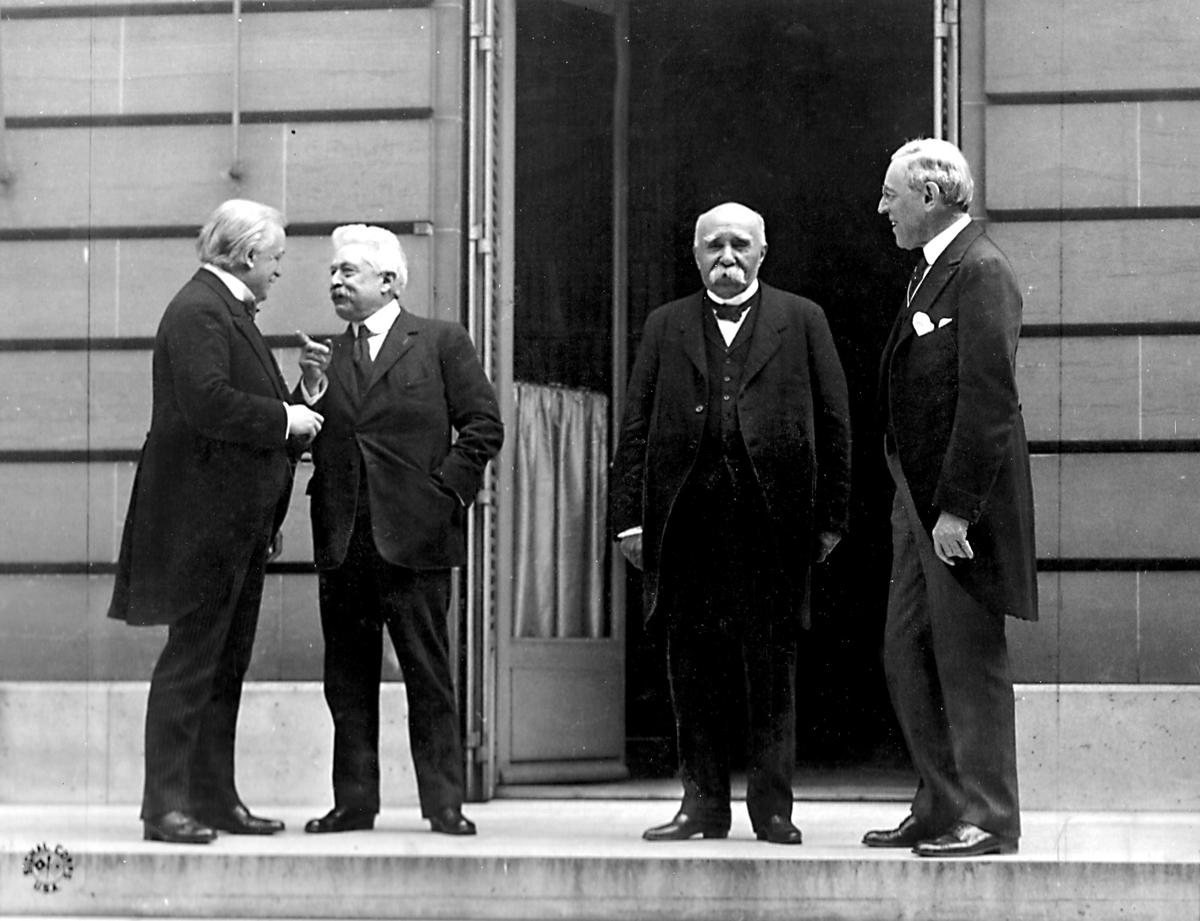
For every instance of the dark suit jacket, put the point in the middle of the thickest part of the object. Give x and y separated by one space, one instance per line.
950 400
427 383
215 472
794 418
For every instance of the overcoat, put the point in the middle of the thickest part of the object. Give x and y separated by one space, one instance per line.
948 392
423 432
215 472
794 418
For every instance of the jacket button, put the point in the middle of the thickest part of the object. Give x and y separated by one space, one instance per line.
699 407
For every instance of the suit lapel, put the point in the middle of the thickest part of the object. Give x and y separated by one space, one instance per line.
248 329
889 349
400 338
691 331
765 339
939 275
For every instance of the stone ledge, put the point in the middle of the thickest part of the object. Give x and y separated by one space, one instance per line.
81 742
1108 746
1083 747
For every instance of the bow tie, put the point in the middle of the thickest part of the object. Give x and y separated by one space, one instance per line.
730 311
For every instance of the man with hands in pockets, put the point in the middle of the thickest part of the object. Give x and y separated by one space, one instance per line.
390 492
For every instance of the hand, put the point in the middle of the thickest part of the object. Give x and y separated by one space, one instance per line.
275 547
303 422
631 547
314 360
950 539
826 541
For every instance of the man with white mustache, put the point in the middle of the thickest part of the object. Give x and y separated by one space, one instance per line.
732 475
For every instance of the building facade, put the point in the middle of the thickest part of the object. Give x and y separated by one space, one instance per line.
126 122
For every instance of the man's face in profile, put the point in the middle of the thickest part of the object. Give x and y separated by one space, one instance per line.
265 267
906 208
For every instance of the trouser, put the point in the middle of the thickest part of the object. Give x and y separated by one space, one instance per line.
358 600
195 693
946 661
713 646
729 622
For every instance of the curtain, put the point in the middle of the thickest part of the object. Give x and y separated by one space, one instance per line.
560 494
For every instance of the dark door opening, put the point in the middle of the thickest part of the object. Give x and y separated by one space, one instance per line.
791 107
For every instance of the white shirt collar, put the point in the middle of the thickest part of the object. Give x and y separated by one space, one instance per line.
381 320
938 244
235 285
737 298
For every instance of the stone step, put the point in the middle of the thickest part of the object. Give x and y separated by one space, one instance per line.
585 860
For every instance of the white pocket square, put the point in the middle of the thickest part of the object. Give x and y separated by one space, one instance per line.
944 321
921 323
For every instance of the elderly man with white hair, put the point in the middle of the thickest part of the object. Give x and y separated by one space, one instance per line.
211 490
732 476
390 492
963 556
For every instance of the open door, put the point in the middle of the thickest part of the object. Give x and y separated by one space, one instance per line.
763 108
560 675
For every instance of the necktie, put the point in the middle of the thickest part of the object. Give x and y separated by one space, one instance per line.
362 358
915 281
730 311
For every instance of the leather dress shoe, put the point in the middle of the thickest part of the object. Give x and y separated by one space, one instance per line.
965 840
177 827
780 830
451 821
684 826
240 821
341 818
908 833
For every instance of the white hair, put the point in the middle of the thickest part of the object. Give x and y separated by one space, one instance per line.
383 251
235 230
943 164
738 212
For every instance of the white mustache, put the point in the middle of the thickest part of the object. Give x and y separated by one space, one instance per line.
735 272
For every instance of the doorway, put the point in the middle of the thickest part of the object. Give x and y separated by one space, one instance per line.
791 107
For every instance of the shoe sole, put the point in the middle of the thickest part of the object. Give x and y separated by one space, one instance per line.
1001 850
167 839
333 831
703 834
880 844
246 831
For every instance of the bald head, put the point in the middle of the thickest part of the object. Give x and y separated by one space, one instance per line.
729 244
732 212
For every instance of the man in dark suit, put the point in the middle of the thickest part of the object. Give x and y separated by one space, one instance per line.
390 492
962 520
211 490
731 475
